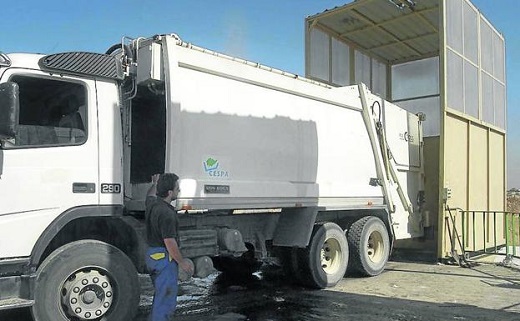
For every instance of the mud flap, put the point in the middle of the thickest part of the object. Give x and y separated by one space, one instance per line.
295 226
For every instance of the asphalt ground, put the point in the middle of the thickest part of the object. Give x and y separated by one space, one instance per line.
404 291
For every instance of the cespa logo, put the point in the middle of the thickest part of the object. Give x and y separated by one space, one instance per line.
213 169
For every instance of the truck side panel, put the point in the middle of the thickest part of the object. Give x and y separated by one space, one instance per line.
242 137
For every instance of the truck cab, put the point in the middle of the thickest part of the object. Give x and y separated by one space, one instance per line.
61 176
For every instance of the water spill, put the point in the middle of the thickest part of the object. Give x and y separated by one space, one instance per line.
267 296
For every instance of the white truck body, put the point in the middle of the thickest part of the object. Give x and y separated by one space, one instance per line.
297 143
295 157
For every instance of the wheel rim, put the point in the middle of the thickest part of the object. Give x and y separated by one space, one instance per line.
375 248
87 294
331 256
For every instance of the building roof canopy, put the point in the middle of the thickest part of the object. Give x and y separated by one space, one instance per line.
390 30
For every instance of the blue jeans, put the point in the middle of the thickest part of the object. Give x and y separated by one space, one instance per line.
163 272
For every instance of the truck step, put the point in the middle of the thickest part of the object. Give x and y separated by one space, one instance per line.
15 303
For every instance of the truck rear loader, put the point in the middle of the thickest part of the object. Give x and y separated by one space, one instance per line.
271 165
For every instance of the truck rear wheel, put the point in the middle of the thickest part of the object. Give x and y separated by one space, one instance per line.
369 245
86 280
325 259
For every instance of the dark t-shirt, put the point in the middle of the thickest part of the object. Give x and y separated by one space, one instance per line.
161 221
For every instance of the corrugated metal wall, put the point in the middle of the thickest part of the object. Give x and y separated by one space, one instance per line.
473 138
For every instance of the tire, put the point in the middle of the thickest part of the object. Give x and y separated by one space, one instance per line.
369 245
288 257
86 280
324 262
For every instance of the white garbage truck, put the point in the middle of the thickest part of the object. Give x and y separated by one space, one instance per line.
271 165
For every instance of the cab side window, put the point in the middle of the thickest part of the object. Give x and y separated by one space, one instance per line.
52 112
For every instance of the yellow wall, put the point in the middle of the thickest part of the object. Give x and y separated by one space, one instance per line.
474 168
455 160
497 181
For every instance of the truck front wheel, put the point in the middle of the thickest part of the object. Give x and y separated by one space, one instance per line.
325 259
86 280
370 246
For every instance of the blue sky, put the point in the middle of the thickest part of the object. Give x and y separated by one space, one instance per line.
266 31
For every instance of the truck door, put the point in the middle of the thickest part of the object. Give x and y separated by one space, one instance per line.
52 163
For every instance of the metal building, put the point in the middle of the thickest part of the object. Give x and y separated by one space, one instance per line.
445 59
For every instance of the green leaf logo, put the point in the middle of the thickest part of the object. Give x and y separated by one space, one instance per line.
211 162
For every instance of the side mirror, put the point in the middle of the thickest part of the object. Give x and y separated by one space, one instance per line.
9 109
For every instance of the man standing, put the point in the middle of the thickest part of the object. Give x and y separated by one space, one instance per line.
163 255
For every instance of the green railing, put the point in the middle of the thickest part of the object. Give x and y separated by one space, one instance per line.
513 234
483 232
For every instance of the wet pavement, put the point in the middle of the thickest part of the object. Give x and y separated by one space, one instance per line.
405 291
